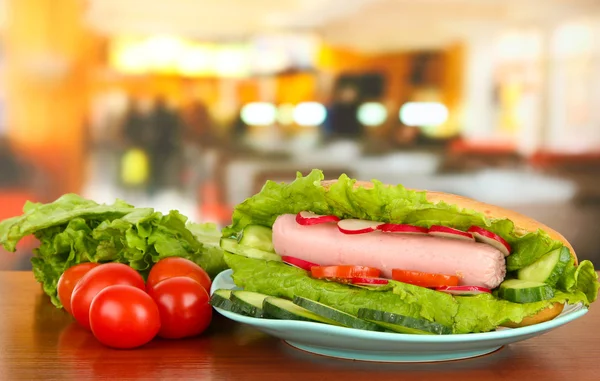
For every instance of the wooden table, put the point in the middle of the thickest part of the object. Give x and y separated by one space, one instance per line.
38 341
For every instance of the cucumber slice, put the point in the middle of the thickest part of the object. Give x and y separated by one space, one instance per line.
222 299
286 310
232 246
229 244
403 324
524 291
249 302
334 314
257 237
547 269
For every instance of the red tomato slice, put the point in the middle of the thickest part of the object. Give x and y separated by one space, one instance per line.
422 279
344 272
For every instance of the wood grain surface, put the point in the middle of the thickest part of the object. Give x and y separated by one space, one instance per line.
40 342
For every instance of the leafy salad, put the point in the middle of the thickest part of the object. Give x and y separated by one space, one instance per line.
74 230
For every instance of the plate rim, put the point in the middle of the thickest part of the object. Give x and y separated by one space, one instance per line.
505 333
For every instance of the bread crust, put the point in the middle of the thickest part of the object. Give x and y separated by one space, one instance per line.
546 314
523 225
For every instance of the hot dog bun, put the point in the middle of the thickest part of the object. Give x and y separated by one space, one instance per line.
523 225
542 316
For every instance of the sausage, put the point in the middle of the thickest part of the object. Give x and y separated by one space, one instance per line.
476 264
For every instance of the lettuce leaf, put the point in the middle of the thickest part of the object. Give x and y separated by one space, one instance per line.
567 281
73 230
305 193
40 216
277 279
582 278
473 314
527 249
208 233
586 280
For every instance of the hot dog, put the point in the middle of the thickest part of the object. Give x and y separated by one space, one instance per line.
477 264
528 284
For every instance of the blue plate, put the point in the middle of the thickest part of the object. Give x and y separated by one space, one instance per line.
356 344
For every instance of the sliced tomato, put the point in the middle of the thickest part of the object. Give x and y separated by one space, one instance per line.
344 272
422 279
370 281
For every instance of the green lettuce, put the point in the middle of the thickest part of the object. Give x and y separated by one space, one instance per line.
73 230
582 278
38 216
472 314
208 233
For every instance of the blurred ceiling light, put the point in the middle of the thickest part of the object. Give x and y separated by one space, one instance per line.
163 53
371 114
169 55
258 113
232 61
285 113
197 60
310 114
423 114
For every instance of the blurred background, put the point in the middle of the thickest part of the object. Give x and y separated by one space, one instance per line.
194 104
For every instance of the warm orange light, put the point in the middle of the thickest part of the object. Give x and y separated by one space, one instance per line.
170 55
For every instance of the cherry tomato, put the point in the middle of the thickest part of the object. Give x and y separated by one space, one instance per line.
68 280
123 316
424 279
183 306
96 280
344 272
177 266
